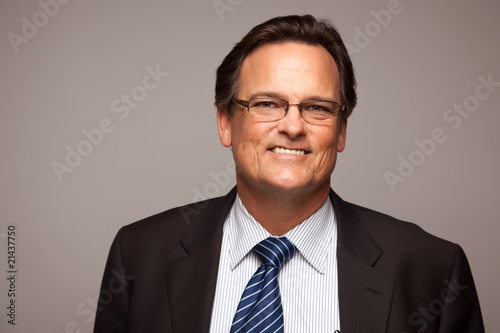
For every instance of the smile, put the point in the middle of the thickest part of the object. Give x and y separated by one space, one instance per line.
280 150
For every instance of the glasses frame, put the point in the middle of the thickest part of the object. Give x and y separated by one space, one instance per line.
246 104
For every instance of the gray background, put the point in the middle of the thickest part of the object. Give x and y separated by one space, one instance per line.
65 77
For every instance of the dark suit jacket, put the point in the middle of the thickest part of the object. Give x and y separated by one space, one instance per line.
393 277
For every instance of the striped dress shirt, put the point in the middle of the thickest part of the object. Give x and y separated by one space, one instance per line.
308 281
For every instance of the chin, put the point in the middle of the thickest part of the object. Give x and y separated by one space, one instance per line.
289 185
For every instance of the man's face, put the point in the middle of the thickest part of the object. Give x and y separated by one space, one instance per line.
295 72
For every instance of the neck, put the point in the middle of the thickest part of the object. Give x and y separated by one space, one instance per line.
279 212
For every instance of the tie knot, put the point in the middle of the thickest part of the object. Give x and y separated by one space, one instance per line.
275 251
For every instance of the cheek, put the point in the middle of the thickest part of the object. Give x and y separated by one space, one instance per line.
247 142
327 146
252 134
237 132
327 139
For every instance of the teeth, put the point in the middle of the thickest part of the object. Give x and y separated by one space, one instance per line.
279 150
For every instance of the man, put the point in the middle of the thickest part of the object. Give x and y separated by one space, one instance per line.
283 95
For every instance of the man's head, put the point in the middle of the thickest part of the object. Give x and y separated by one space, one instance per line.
295 59
302 29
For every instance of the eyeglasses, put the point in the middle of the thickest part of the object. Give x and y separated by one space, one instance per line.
273 109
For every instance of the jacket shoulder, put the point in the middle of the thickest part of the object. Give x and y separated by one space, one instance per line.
407 248
389 231
175 221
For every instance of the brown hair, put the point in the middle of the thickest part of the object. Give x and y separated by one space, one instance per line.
303 29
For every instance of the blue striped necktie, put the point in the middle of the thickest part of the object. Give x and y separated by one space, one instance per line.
260 307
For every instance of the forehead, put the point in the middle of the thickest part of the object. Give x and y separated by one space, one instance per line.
290 69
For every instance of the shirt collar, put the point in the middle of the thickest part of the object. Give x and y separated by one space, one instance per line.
311 237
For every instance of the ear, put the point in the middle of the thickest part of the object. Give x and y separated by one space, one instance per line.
224 126
342 136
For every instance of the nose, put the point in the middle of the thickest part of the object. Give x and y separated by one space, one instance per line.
292 124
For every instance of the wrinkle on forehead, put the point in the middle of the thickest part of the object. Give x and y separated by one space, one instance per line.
280 70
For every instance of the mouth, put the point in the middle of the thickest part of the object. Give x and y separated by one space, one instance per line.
282 150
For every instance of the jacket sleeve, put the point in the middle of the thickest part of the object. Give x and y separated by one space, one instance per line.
113 304
460 310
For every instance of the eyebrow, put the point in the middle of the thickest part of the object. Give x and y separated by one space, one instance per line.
282 96
267 94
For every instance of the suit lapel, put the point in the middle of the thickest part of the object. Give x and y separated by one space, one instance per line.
365 293
191 280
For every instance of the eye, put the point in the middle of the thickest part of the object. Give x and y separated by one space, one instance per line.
318 107
265 104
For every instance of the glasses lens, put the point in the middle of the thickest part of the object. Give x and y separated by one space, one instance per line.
267 108
319 111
